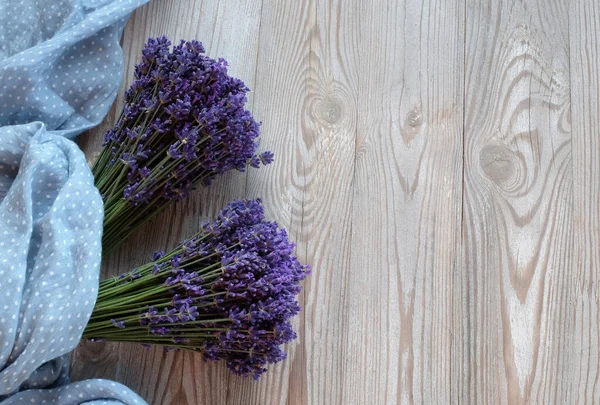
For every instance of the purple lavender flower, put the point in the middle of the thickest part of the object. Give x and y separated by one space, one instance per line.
266 157
228 292
184 122
118 324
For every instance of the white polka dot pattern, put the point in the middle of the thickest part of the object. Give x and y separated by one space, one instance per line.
90 392
60 61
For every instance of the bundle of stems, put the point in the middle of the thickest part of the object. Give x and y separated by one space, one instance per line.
184 122
229 292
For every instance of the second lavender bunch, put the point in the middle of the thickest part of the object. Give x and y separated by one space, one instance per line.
228 292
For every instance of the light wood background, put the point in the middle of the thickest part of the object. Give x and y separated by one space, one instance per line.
438 164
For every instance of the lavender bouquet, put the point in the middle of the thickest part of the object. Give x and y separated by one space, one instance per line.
183 123
228 292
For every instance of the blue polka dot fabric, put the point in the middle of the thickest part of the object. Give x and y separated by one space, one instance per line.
91 392
60 69
60 61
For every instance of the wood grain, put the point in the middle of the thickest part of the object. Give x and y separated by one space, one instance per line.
438 164
405 240
580 360
518 199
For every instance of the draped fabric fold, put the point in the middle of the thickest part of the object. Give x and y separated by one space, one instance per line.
60 69
60 61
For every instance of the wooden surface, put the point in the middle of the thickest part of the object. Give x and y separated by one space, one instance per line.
438 164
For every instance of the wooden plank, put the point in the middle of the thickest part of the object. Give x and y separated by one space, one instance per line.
228 29
518 201
403 330
580 318
335 164
290 187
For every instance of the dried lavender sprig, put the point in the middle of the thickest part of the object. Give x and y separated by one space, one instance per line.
228 292
183 123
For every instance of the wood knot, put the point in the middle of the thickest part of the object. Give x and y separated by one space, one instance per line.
412 123
329 111
414 118
499 165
